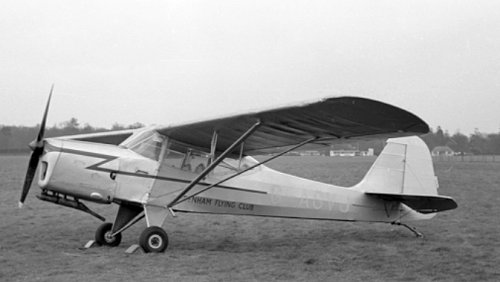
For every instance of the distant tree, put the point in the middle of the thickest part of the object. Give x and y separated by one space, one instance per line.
430 139
87 128
478 143
5 136
437 138
441 137
136 125
117 126
459 143
71 123
493 147
69 127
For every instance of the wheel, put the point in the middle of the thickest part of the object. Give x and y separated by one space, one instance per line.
103 235
153 239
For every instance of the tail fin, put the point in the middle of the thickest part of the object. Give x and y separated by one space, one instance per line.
404 172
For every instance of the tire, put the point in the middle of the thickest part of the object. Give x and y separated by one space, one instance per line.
153 240
102 235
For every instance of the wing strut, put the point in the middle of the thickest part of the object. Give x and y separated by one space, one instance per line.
216 162
213 146
247 169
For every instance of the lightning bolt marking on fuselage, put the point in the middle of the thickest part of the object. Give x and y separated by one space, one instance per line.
108 158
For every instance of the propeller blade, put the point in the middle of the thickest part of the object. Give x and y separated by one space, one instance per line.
30 174
37 147
44 119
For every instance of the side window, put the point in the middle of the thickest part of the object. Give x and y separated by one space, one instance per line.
193 161
196 161
184 158
174 159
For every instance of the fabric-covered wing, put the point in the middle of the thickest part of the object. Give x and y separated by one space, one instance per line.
109 137
329 120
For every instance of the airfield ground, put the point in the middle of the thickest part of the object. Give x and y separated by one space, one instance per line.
41 242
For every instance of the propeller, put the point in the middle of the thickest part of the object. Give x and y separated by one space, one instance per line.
37 147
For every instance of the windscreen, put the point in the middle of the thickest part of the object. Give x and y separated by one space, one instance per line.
147 144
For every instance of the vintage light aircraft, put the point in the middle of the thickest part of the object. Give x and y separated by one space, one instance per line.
207 167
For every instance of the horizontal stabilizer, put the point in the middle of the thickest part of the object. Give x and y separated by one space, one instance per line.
420 203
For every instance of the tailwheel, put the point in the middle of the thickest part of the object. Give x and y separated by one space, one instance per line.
103 235
153 240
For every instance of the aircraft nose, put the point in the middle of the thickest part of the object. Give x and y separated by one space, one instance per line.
48 162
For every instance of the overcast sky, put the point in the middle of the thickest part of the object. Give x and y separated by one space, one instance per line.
163 62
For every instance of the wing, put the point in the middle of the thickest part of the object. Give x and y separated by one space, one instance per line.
108 137
329 120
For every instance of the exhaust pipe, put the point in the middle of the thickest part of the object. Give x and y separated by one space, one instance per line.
70 203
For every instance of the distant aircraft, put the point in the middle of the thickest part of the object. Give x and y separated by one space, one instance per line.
207 167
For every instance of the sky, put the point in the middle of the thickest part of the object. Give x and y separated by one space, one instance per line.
168 62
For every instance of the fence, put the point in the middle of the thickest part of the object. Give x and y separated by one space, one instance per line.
468 158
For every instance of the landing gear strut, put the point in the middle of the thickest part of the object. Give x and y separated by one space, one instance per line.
153 240
103 235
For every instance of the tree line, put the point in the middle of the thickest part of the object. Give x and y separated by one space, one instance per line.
477 143
15 139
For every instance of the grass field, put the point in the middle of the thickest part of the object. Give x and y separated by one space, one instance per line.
42 241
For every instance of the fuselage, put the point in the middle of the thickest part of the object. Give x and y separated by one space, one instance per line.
150 172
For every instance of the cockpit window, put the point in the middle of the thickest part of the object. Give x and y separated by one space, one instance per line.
149 147
174 159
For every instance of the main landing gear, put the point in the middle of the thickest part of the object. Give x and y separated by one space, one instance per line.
104 235
152 240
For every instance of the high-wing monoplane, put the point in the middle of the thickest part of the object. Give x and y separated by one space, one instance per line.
208 167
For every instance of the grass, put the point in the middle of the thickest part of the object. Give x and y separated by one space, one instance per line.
42 241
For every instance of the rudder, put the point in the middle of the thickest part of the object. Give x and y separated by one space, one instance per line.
404 172
403 167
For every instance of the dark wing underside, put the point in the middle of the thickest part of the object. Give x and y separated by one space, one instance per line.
328 120
109 137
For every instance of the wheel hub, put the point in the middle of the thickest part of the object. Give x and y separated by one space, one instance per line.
108 237
155 241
